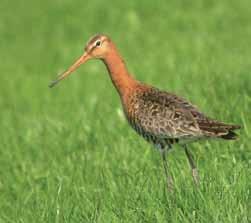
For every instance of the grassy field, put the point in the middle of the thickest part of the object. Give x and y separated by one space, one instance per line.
68 155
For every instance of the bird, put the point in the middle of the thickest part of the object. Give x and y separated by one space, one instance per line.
162 118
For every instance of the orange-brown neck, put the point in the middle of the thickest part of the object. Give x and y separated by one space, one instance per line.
119 74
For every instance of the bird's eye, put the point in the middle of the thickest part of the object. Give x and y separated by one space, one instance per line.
98 43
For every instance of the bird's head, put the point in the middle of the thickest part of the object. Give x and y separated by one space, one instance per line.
96 48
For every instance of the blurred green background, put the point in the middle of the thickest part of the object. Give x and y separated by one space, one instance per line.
68 155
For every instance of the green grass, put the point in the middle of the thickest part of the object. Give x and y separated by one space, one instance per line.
68 155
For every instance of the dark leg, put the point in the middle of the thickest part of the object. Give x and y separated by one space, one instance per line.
169 178
193 166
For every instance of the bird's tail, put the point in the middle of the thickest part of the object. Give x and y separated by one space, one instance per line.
231 135
219 130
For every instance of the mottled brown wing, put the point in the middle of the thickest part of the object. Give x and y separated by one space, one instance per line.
165 115
208 126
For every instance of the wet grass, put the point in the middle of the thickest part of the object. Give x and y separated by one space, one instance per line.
68 155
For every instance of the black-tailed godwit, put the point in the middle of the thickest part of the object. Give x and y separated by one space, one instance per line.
162 118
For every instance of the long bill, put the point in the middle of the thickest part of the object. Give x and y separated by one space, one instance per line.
79 61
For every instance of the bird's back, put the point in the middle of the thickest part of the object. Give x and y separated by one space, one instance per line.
162 117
